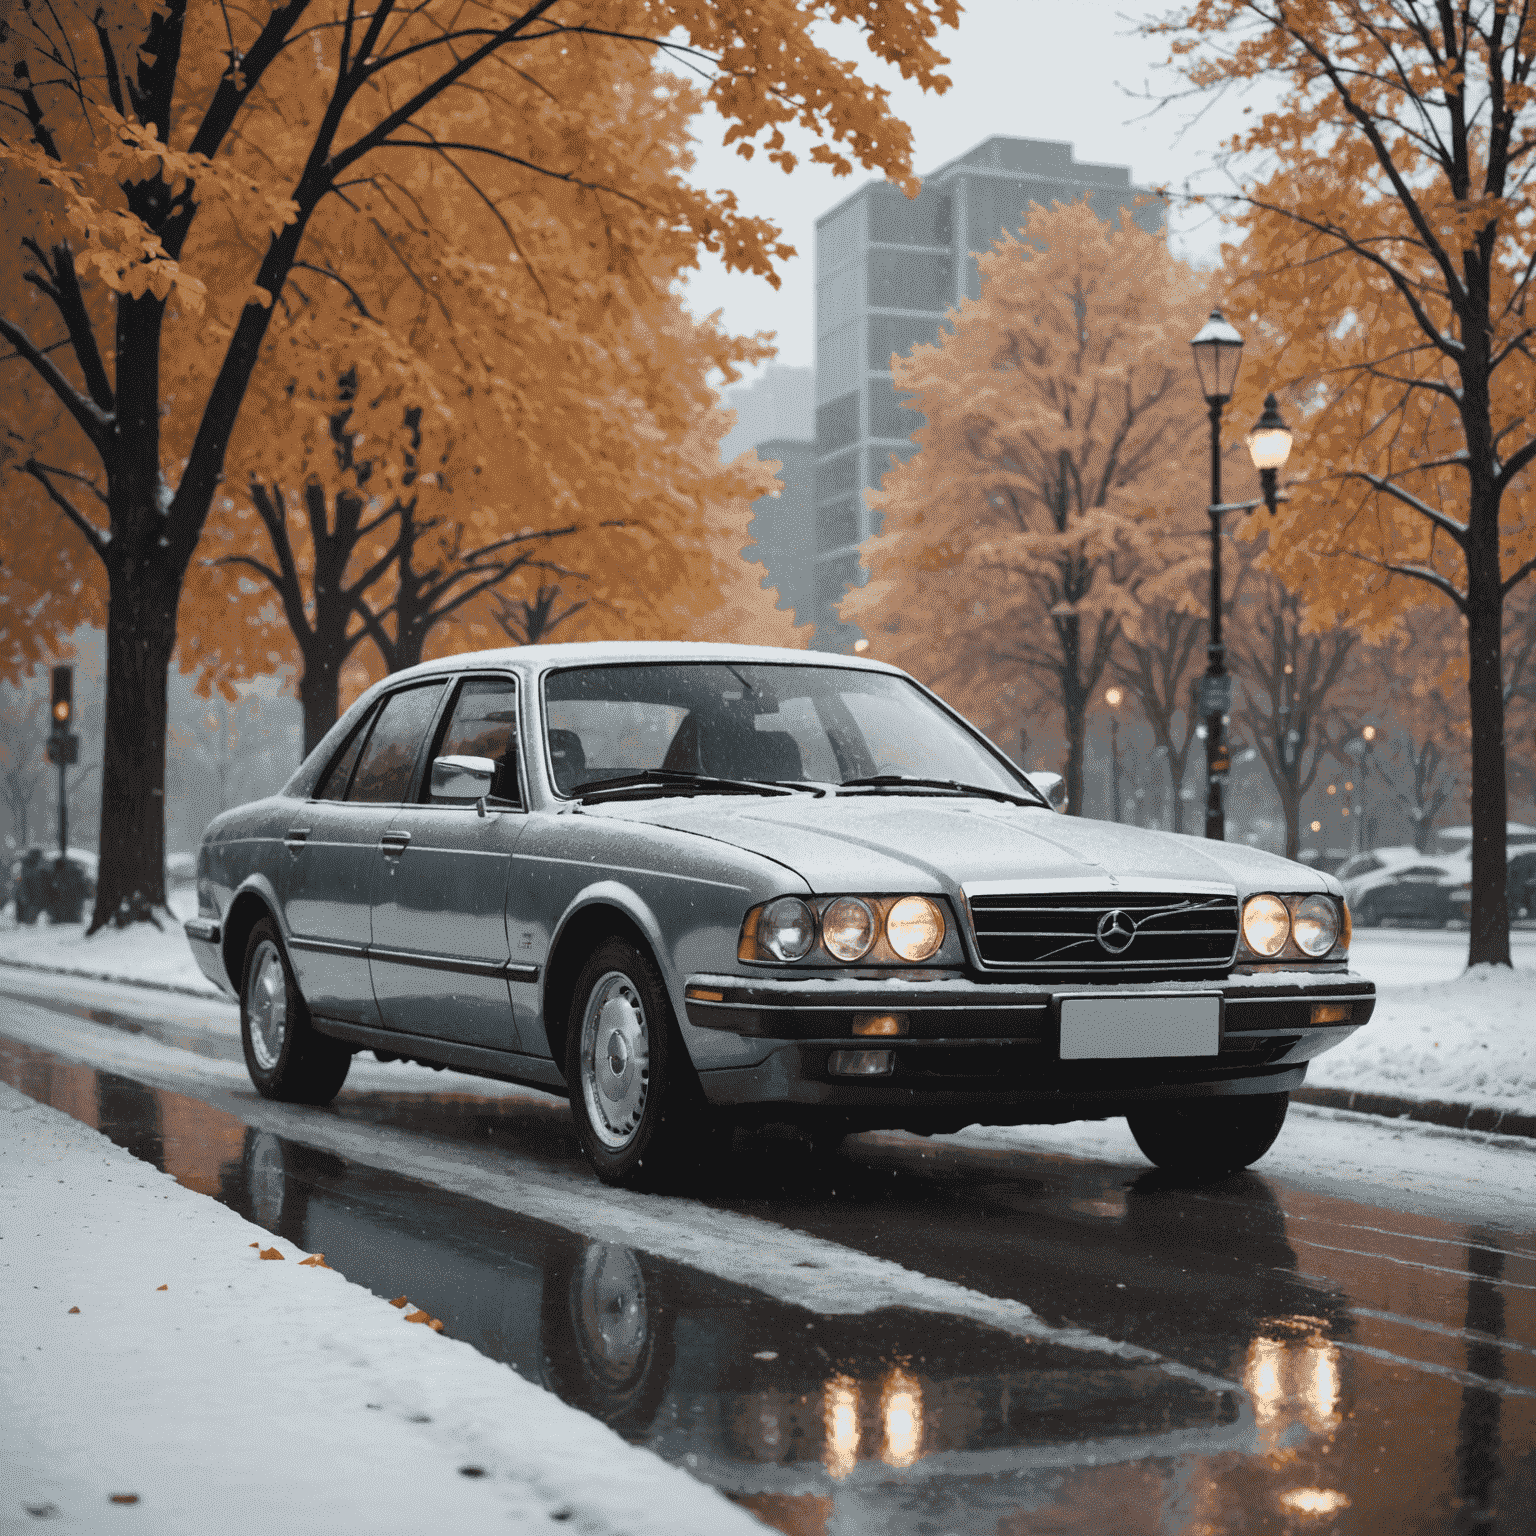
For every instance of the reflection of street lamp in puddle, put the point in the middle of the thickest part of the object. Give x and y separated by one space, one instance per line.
901 1409
840 1414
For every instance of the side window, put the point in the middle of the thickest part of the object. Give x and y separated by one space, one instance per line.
384 773
484 724
333 782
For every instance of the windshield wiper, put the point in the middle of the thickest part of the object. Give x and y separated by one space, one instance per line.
946 786
669 781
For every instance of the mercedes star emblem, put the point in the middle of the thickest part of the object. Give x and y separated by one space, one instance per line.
1116 930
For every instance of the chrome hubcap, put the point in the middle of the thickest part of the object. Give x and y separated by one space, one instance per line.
615 1060
266 1006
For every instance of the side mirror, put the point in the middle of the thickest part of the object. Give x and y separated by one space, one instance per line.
463 780
1052 786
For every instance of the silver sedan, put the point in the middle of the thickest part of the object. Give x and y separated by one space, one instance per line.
694 886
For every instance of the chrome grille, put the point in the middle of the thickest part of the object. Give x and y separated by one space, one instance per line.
1175 933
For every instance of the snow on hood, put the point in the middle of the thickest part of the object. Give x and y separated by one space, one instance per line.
885 843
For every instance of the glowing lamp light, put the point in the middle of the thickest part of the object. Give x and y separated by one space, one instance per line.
1113 696
1269 443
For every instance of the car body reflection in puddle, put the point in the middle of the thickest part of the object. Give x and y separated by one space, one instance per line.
793 1414
1393 1395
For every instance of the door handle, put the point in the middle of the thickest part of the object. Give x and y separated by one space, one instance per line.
393 844
295 838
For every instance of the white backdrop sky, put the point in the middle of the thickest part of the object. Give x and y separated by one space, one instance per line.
1043 69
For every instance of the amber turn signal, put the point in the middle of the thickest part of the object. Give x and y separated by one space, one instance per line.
879 1023
1332 1013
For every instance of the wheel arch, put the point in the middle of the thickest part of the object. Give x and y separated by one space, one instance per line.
601 913
247 909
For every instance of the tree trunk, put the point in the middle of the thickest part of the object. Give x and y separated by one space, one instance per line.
1076 716
1489 940
141 635
319 697
1290 803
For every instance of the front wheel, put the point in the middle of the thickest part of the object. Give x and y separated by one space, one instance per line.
288 1059
640 1114
1209 1137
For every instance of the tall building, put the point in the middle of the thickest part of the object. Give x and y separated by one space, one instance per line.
886 271
775 414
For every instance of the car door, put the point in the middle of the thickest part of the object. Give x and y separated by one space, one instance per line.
440 957
334 854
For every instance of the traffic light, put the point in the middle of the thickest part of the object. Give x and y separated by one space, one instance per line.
63 698
63 745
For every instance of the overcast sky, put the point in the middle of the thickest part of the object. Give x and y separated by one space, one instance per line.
1039 69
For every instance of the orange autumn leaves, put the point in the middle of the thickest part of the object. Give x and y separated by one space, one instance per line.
502 257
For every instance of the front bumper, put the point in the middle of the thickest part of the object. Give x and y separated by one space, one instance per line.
975 1048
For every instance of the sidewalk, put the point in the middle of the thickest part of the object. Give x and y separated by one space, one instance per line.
162 1377
1458 1053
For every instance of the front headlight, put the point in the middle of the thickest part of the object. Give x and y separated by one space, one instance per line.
914 928
1266 925
1315 927
848 928
787 928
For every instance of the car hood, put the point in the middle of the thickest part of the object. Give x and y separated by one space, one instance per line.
888 843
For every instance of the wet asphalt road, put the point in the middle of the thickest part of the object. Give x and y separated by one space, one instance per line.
1382 1361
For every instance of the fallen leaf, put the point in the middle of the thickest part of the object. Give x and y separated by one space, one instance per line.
418 1316
317 1260
74 1309
125 1498
162 1287
254 1245
435 1326
269 1253
400 1301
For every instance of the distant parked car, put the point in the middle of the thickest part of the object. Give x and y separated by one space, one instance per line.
42 882
180 869
1402 885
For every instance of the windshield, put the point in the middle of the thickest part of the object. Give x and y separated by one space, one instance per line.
744 720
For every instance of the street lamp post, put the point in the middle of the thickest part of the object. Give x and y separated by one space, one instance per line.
1218 350
1112 697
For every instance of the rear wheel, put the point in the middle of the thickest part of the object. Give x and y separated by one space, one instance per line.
1367 914
288 1059
1209 1137
640 1113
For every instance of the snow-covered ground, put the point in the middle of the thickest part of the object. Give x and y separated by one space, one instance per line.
1471 1040
139 954
154 1358
1439 1032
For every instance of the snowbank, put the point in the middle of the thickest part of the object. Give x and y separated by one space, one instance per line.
223 1393
1467 1041
141 954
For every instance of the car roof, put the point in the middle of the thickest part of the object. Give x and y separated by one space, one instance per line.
543 658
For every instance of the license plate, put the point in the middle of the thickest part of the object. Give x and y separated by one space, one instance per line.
1127 1028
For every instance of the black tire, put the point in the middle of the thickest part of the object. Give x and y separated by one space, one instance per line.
1367 916
640 1114
287 1058
1209 1137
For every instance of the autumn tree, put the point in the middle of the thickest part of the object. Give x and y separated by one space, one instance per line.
170 168
1157 666
1056 408
1288 704
1389 249
22 766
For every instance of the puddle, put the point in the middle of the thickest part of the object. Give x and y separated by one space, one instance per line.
1376 1398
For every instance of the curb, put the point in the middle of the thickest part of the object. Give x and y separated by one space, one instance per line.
208 996
1456 1117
